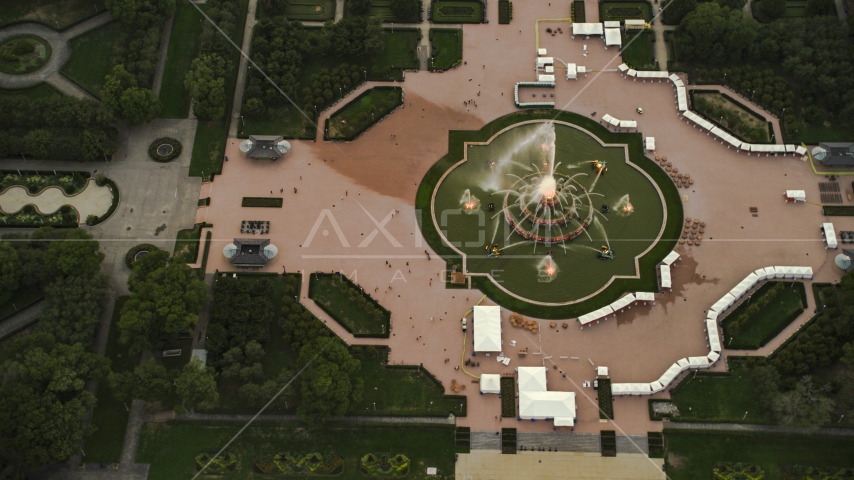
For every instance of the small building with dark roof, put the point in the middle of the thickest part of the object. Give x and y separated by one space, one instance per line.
270 147
835 154
250 252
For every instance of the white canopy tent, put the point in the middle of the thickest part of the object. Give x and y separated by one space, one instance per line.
665 276
602 371
711 326
549 69
623 302
655 387
628 124
619 388
487 328
674 78
607 118
622 67
829 235
697 363
714 342
702 122
681 99
587 29
571 71
652 74
541 52
725 302
649 143
796 195
770 272
712 316
644 296
612 24
713 357
596 315
632 72
531 379
670 258
635 23
490 383
803 272
543 405
543 61
546 78
785 272
613 37
564 421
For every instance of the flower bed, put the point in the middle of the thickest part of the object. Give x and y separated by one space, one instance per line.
23 54
606 400
508 397
28 217
164 149
505 12
737 471
36 181
385 464
227 462
296 464
264 202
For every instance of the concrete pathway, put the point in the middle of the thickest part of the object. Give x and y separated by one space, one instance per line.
492 465
737 427
66 86
339 10
164 50
137 411
20 320
92 200
240 84
60 50
227 417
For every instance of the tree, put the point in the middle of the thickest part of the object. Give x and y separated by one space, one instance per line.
146 265
241 313
359 7
765 386
196 385
141 13
405 8
166 301
714 35
257 395
805 406
42 397
848 353
772 8
37 142
76 254
330 385
10 271
71 310
816 8
115 83
206 85
675 10
124 98
149 381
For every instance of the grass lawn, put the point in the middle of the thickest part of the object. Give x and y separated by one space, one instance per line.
208 149
770 321
732 115
288 122
110 416
350 306
183 48
363 111
446 48
41 90
93 55
382 9
812 134
638 51
311 10
609 11
400 50
22 298
716 397
691 455
187 244
459 11
171 448
57 14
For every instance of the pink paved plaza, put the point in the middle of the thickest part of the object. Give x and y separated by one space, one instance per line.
354 186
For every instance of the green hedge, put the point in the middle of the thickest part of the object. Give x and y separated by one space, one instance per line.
508 397
176 149
262 202
606 400
648 263
28 217
356 104
102 180
386 321
35 181
837 210
769 128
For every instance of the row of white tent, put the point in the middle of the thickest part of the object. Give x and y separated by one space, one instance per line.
664 268
613 36
536 402
618 123
531 104
587 29
672 374
767 273
829 235
619 305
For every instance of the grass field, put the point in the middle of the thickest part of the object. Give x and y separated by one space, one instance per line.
94 54
812 134
187 244
363 111
183 48
311 10
610 11
171 448
459 11
770 321
41 90
58 14
717 397
743 123
691 455
382 9
110 416
208 148
638 51
446 48
400 50
359 316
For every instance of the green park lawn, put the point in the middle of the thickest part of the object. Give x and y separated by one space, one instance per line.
363 111
717 397
610 11
41 90
769 322
446 48
457 11
170 448
360 317
93 55
110 416
59 14
691 455
187 244
208 149
638 51
183 48
401 50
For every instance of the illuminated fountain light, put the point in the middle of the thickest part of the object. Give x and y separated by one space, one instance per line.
547 268
624 206
469 202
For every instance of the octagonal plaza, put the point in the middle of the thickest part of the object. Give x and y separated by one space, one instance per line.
360 185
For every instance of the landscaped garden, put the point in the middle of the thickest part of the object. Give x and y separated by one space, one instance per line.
362 112
446 48
508 397
638 50
187 243
58 14
35 181
723 110
310 10
208 149
94 54
606 401
349 305
764 315
611 11
262 202
457 11
505 12
171 449
384 10
23 54
41 90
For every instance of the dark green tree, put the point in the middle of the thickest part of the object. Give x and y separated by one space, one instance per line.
407 9
714 35
675 10
196 385
75 254
359 7
206 84
149 381
806 405
141 13
10 271
331 384
772 8
72 306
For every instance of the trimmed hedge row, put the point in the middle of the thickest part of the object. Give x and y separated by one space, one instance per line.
262 202
837 210
101 180
367 126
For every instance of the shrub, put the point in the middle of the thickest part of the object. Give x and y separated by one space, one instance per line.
144 247
100 180
157 157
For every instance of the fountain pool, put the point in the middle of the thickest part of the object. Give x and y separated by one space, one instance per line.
537 205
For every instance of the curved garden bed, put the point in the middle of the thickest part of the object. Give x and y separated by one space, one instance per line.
164 149
23 54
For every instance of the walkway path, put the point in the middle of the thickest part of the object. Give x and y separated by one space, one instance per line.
60 53
92 200
20 320
227 417
737 427
164 51
240 84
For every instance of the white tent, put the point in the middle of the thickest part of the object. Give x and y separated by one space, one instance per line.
632 72
543 61
785 272
487 328
650 143
796 195
655 386
760 274
564 421
670 258
640 389
683 363
770 272
712 315
803 272
635 23
619 388
800 150
490 383
612 24
644 296
713 357
628 124
612 37
607 118
681 99
546 78
602 371
541 52
587 29
711 326
550 69
739 290
714 341
531 379
623 67
543 405
829 235
623 302
698 362
665 276
725 302
571 71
